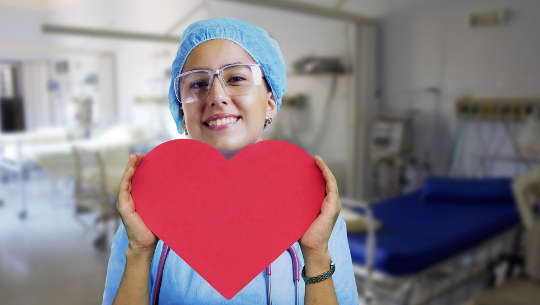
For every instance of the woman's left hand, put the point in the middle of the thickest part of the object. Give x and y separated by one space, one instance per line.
314 243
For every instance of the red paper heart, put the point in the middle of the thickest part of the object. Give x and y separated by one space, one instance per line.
228 219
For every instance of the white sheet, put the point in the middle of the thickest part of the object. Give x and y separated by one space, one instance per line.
53 150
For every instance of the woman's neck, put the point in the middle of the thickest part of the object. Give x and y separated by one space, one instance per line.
230 153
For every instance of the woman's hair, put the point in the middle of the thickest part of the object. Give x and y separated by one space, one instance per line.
264 50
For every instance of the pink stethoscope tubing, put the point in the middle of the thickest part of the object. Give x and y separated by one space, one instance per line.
296 276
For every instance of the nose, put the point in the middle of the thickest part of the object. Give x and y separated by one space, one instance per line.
217 92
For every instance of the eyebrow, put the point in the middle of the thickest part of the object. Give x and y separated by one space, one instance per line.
206 68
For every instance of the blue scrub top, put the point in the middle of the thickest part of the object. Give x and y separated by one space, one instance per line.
182 285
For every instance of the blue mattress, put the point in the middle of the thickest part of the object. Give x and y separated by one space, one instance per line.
416 234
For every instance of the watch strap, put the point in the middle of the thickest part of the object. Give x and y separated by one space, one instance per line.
318 278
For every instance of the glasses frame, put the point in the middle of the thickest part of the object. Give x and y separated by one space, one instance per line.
255 69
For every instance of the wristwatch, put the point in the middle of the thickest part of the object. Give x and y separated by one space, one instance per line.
318 278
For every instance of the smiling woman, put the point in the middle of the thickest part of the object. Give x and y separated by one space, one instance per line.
229 113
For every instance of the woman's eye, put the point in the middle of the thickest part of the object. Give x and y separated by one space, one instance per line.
198 85
235 79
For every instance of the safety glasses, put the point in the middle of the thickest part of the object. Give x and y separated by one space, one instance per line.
236 79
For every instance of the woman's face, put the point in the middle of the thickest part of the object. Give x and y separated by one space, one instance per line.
249 110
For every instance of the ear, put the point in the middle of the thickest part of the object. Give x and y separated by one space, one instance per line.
271 105
184 126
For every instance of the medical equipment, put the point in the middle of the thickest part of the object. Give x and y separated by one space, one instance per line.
268 271
83 115
390 137
430 244
494 125
390 147
315 65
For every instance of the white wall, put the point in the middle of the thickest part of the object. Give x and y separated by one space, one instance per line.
141 71
20 31
431 45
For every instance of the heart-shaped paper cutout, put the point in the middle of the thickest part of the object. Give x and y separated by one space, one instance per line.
228 219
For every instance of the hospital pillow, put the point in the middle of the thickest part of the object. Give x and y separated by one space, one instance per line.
356 222
467 189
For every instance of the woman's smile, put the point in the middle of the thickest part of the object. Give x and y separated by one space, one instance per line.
221 121
228 122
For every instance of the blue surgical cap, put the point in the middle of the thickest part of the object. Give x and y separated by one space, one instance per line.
263 49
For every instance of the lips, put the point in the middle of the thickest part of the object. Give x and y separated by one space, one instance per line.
221 120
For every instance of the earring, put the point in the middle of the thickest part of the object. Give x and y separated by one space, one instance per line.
267 122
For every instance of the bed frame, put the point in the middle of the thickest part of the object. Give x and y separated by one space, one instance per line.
433 283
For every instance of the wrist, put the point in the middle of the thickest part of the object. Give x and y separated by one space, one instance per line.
316 263
135 253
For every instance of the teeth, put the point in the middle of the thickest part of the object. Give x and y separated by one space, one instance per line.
220 122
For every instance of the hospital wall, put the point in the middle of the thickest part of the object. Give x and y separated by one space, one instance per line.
431 45
19 31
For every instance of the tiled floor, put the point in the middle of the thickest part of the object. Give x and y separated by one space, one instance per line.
47 258
518 291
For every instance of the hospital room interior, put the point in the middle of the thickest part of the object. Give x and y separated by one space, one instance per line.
426 111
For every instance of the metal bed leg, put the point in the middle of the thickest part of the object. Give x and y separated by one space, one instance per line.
24 211
23 214
368 294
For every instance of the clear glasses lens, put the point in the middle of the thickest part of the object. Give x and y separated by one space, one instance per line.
236 79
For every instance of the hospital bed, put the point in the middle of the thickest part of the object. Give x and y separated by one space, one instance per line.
524 288
433 240
18 152
93 165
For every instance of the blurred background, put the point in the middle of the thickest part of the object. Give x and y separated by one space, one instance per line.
427 112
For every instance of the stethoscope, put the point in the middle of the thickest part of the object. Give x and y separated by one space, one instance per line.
296 277
268 271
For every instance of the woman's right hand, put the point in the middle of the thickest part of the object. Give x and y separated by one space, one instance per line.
141 239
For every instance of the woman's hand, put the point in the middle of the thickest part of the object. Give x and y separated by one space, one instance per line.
141 239
314 243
